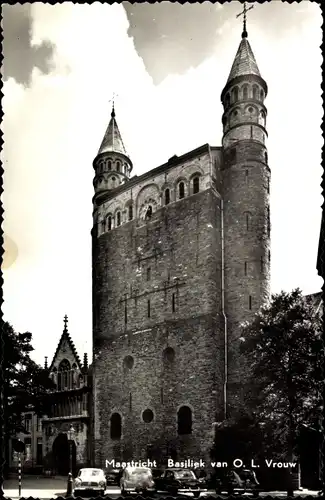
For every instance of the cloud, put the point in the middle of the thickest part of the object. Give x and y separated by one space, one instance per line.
20 54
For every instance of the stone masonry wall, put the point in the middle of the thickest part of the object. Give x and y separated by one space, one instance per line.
246 181
181 245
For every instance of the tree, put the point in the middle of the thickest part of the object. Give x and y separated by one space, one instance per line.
25 383
283 348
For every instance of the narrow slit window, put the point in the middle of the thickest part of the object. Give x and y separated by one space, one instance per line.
130 212
125 313
109 222
246 176
173 302
247 222
167 197
245 268
262 264
149 311
148 273
250 302
118 218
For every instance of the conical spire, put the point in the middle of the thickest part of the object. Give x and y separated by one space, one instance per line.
112 141
244 63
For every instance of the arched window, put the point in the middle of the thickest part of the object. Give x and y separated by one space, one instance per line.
255 91
118 166
265 157
149 212
116 426
235 94
109 165
196 185
184 420
118 218
262 118
227 100
262 95
130 212
169 355
181 190
125 168
245 92
167 196
109 222
103 225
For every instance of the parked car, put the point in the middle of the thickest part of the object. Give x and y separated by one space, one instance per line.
113 476
136 479
176 481
236 481
90 480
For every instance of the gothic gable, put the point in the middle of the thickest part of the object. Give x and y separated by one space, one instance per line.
65 355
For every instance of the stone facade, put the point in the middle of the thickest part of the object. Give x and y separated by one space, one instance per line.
174 277
69 410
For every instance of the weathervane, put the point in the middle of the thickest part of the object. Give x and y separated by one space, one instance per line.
244 33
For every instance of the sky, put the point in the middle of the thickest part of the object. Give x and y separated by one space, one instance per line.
168 64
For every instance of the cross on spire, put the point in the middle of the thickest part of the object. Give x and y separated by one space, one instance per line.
65 321
113 104
244 33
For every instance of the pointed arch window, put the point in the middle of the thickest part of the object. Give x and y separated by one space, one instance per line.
184 420
245 92
167 196
109 222
196 185
118 219
116 426
181 190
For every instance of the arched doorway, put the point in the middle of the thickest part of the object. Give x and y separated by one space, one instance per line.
64 455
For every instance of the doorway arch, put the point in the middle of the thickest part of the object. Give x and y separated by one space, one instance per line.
62 450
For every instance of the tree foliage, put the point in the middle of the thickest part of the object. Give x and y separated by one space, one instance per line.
283 348
25 382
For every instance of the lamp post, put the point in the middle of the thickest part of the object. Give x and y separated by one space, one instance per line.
70 433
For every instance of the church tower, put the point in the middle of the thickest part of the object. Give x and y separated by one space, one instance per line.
245 191
112 164
180 260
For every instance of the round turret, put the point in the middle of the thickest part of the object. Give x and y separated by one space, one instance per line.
112 164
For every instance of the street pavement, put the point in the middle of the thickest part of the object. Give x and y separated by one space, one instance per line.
46 488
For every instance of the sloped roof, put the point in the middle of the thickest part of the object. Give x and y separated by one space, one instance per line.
244 62
65 338
112 141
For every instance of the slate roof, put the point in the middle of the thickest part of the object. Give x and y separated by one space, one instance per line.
244 62
112 141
